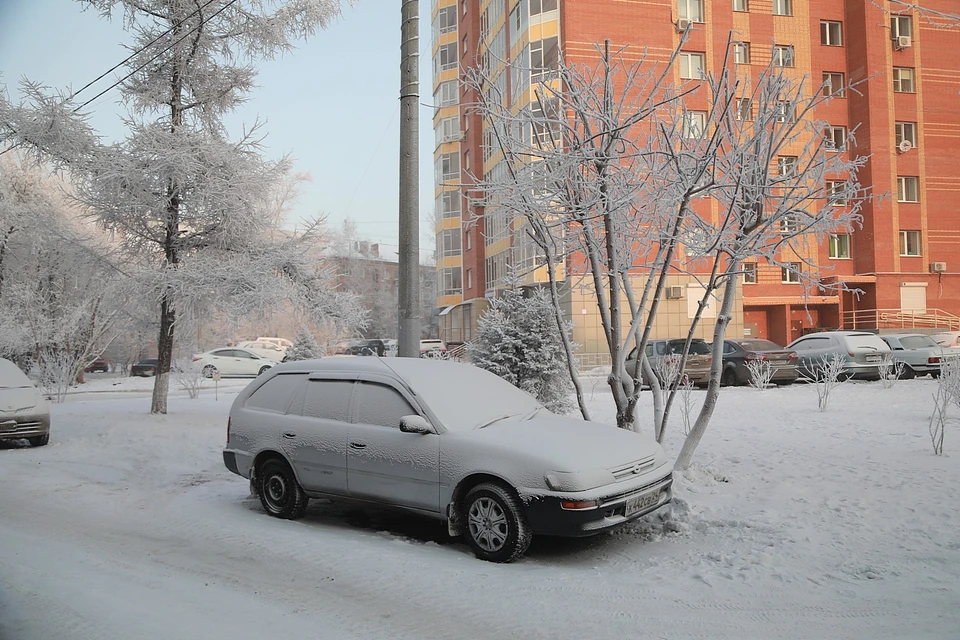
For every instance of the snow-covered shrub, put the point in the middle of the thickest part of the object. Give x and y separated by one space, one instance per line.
305 347
761 372
517 339
667 369
827 377
686 402
890 371
56 370
947 393
189 376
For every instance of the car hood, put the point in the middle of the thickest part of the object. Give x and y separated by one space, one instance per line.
18 399
568 443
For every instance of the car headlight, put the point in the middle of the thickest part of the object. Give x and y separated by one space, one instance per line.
578 480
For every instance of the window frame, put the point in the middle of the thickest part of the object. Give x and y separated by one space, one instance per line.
741 6
749 273
831 135
791 274
828 80
685 67
832 187
785 7
900 128
905 243
439 66
838 247
827 27
903 192
741 52
895 21
784 56
741 111
899 74
690 131
787 165
683 10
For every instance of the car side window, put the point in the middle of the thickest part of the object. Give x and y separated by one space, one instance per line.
222 353
728 348
237 353
275 395
803 345
649 350
328 399
381 405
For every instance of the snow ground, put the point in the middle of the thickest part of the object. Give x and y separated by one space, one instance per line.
792 524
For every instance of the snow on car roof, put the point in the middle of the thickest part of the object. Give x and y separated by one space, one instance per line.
12 376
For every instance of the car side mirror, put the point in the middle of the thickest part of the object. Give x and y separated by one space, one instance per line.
415 424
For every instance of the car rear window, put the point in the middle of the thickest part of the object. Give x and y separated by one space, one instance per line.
866 341
276 393
697 348
917 342
759 345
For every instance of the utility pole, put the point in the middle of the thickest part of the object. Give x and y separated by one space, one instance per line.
408 338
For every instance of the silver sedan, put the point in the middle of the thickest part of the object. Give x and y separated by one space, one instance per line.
440 438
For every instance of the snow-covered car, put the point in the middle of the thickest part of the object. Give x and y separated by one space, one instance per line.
145 368
264 349
862 353
232 361
96 363
282 343
443 439
24 412
949 339
740 352
918 352
433 348
660 353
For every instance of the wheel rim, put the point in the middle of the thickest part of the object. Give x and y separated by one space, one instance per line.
275 490
488 524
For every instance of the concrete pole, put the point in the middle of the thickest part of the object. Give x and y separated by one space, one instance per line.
409 300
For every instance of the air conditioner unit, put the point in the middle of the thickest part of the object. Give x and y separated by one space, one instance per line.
938 267
904 146
683 24
902 42
461 137
675 293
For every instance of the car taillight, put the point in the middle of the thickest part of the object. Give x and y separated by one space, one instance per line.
578 505
851 354
933 359
755 356
228 429
793 356
197 359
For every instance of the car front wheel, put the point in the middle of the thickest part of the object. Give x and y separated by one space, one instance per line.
209 370
280 493
39 441
496 527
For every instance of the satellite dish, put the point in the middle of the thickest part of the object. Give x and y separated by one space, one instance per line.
905 146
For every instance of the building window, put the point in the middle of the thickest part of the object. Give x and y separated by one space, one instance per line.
839 246
907 132
468 240
741 5
448 243
836 138
831 33
741 53
691 66
833 84
907 189
448 204
446 94
835 192
749 273
447 168
466 160
783 56
694 124
447 130
903 80
518 22
909 243
787 165
789 224
691 10
469 278
785 111
542 6
783 7
445 58
451 283
446 20
901 26
544 59
744 109
790 274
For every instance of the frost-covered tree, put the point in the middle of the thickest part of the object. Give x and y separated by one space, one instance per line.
192 209
305 347
518 340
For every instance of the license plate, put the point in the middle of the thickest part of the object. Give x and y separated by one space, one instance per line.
641 502
874 358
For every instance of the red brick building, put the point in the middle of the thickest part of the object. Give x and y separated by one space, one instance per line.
905 115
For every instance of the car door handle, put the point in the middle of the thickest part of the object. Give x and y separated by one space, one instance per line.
289 435
357 445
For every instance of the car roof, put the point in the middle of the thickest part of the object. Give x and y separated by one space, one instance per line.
905 335
364 364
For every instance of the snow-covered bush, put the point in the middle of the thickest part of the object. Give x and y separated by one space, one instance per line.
305 347
56 370
517 339
890 371
189 376
947 393
686 402
761 372
827 377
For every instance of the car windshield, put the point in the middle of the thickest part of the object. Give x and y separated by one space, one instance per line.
465 397
866 342
759 345
11 377
917 342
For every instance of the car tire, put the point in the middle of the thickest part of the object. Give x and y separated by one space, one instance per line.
280 493
39 441
934 374
494 523
208 371
729 378
263 370
908 373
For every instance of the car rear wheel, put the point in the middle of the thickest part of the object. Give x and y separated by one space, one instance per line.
907 373
496 526
39 441
280 493
263 370
209 370
729 378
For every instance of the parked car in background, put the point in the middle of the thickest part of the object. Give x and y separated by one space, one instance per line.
264 349
918 352
433 348
949 339
442 439
661 352
862 353
145 368
390 347
282 343
96 363
361 347
738 353
24 412
232 361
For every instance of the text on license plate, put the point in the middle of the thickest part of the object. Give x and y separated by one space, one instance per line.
641 502
874 358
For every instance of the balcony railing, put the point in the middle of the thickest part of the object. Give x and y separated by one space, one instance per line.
899 319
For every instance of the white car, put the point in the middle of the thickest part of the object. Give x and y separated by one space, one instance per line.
264 349
283 343
918 352
232 361
433 348
862 353
949 339
442 439
24 412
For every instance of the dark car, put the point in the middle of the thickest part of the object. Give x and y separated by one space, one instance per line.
95 364
144 368
737 354
366 347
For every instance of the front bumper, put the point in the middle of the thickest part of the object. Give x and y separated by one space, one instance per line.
26 426
547 517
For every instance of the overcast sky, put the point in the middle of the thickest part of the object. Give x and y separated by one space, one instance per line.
332 103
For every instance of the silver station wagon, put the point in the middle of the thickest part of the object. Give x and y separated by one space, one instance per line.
443 439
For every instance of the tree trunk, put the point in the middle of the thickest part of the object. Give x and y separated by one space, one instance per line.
161 384
3 252
716 367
